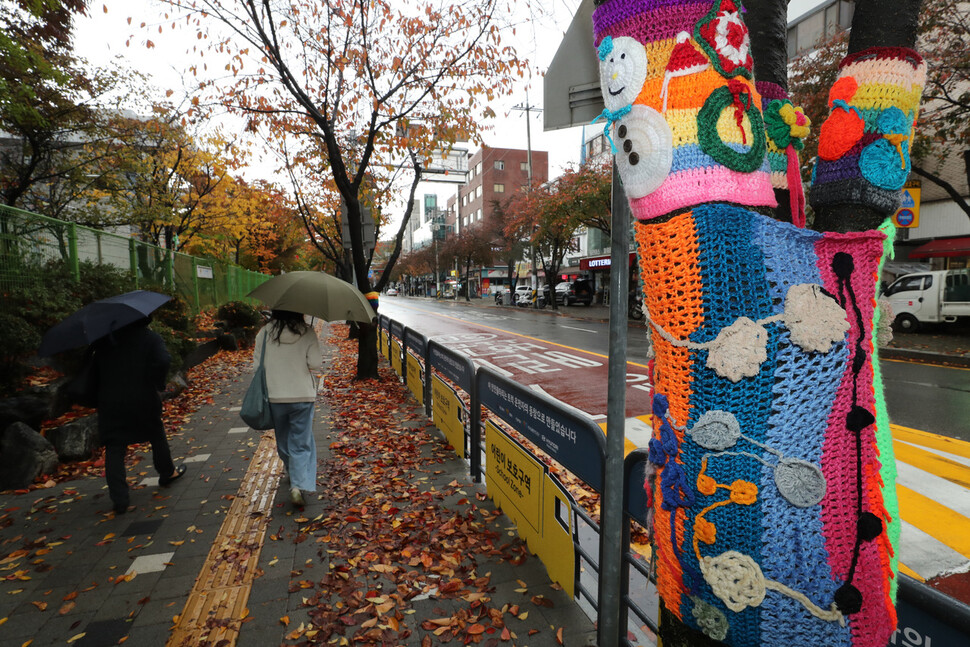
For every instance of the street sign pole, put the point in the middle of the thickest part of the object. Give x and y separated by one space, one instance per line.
612 518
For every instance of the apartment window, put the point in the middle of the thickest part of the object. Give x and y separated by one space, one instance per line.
478 191
479 214
499 165
499 188
478 169
524 167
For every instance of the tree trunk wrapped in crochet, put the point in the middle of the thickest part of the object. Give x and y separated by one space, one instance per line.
773 495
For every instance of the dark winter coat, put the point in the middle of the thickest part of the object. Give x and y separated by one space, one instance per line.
130 366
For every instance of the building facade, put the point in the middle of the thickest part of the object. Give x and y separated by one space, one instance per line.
494 175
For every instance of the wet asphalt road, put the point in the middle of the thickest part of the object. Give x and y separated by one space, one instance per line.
930 398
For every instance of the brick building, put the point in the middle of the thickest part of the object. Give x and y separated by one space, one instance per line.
494 174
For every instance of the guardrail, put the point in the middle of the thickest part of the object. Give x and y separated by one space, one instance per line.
456 395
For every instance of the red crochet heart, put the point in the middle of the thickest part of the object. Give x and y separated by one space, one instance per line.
841 131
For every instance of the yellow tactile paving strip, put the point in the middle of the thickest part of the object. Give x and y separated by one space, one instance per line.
216 606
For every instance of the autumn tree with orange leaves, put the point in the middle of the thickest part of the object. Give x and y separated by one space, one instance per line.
379 85
550 215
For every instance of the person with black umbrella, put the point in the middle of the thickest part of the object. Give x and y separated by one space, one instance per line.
130 367
126 367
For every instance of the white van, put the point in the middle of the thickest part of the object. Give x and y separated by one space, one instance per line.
929 297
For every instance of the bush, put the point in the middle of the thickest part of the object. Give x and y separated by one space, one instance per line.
18 340
238 314
175 314
101 281
179 345
54 294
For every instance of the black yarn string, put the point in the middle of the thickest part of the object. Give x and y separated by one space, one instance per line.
848 597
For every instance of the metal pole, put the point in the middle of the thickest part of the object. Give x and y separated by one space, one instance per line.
611 527
73 260
528 144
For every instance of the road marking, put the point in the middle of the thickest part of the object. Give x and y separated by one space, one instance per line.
909 361
933 486
515 334
926 439
953 469
925 555
575 328
934 519
942 491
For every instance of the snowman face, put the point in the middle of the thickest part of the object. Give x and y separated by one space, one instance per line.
623 69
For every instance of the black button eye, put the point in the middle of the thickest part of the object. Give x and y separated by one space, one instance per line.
622 55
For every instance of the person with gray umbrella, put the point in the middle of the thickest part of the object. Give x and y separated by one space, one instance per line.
290 351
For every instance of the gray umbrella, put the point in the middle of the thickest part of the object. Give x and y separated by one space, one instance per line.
315 293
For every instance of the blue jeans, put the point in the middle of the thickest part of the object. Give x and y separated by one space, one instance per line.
294 442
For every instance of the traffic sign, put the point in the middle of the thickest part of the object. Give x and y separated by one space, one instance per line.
907 216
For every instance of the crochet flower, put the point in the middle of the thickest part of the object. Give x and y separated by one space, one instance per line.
706 485
739 350
786 125
705 530
814 319
735 578
710 619
744 492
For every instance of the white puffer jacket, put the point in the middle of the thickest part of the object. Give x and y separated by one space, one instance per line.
289 364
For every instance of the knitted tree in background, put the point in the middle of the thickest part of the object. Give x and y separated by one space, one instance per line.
775 518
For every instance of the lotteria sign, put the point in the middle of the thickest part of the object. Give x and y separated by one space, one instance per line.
600 262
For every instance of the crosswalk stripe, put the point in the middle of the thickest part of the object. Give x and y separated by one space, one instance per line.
934 519
925 555
940 490
933 487
951 458
926 439
933 463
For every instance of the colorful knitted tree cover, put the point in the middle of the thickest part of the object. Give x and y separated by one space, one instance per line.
863 150
681 110
774 516
773 495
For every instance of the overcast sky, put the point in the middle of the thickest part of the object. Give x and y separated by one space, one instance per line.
102 36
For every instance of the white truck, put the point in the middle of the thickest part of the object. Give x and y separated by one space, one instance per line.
929 297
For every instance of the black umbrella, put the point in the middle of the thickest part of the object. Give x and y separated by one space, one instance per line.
99 319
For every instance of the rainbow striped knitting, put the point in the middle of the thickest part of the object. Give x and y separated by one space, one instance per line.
682 104
863 149
774 505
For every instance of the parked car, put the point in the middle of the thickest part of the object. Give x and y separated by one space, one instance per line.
391 292
523 296
578 291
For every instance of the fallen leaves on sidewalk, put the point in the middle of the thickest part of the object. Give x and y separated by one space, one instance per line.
392 536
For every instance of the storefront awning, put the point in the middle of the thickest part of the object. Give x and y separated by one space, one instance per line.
943 247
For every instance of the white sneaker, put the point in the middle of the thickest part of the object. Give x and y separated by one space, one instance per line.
296 497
